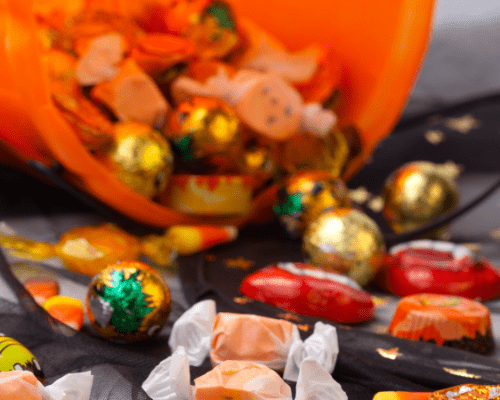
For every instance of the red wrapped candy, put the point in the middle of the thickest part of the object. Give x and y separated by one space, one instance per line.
431 266
308 290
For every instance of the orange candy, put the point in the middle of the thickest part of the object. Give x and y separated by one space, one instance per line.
41 288
66 309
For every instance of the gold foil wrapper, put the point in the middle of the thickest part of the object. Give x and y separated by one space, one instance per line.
417 194
128 301
140 156
305 195
347 241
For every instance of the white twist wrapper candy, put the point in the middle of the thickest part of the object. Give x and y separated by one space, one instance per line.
75 386
170 379
322 346
193 331
315 383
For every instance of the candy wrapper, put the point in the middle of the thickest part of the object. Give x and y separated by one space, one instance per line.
23 385
239 380
273 343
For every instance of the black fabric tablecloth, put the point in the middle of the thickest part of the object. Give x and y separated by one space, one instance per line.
467 134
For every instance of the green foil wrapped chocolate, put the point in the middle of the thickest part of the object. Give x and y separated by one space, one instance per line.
128 301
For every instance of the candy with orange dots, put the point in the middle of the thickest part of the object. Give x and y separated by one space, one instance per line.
41 288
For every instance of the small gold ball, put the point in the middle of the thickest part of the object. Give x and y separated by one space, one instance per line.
347 241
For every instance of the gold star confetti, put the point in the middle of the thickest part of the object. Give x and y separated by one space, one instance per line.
434 136
461 372
380 329
210 257
303 327
242 300
391 354
462 124
452 169
359 195
289 317
495 234
239 263
376 204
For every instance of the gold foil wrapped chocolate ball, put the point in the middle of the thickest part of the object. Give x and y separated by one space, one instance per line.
204 132
347 241
128 301
417 194
140 156
305 195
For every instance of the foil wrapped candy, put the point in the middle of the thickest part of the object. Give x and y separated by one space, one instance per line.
273 343
170 380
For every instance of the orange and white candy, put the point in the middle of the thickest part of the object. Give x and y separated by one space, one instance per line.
67 310
41 288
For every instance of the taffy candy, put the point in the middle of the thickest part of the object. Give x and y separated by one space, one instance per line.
238 380
433 266
310 290
418 193
305 195
23 385
345 240
15 357
128 301
275 343
65 309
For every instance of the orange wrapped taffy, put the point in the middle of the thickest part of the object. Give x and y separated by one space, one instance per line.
133 96
23 385
275 343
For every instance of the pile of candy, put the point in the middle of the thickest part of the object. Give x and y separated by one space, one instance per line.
163 89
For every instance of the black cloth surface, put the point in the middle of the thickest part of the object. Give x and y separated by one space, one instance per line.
467 134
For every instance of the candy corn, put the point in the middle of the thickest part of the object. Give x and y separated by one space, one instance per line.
41 288
66 309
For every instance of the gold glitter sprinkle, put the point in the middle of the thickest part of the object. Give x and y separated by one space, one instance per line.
239 263
495 234
380 329
462 124
210 257
380 301
452 169
242 300
434 136
391 354
475 247
461 372
376 204
289 317
303 327
359 195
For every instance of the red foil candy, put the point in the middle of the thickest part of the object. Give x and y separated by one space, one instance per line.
308 290
431 266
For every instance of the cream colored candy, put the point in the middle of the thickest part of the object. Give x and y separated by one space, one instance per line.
133 96
241 380
252 338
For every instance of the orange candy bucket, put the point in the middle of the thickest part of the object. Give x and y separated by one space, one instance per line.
381 45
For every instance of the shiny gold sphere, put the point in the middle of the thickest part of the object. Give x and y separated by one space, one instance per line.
347 241
305 195
417 194
140 156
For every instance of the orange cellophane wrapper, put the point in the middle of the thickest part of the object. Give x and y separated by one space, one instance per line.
439 318
401 396
19 385
240 380
252 338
